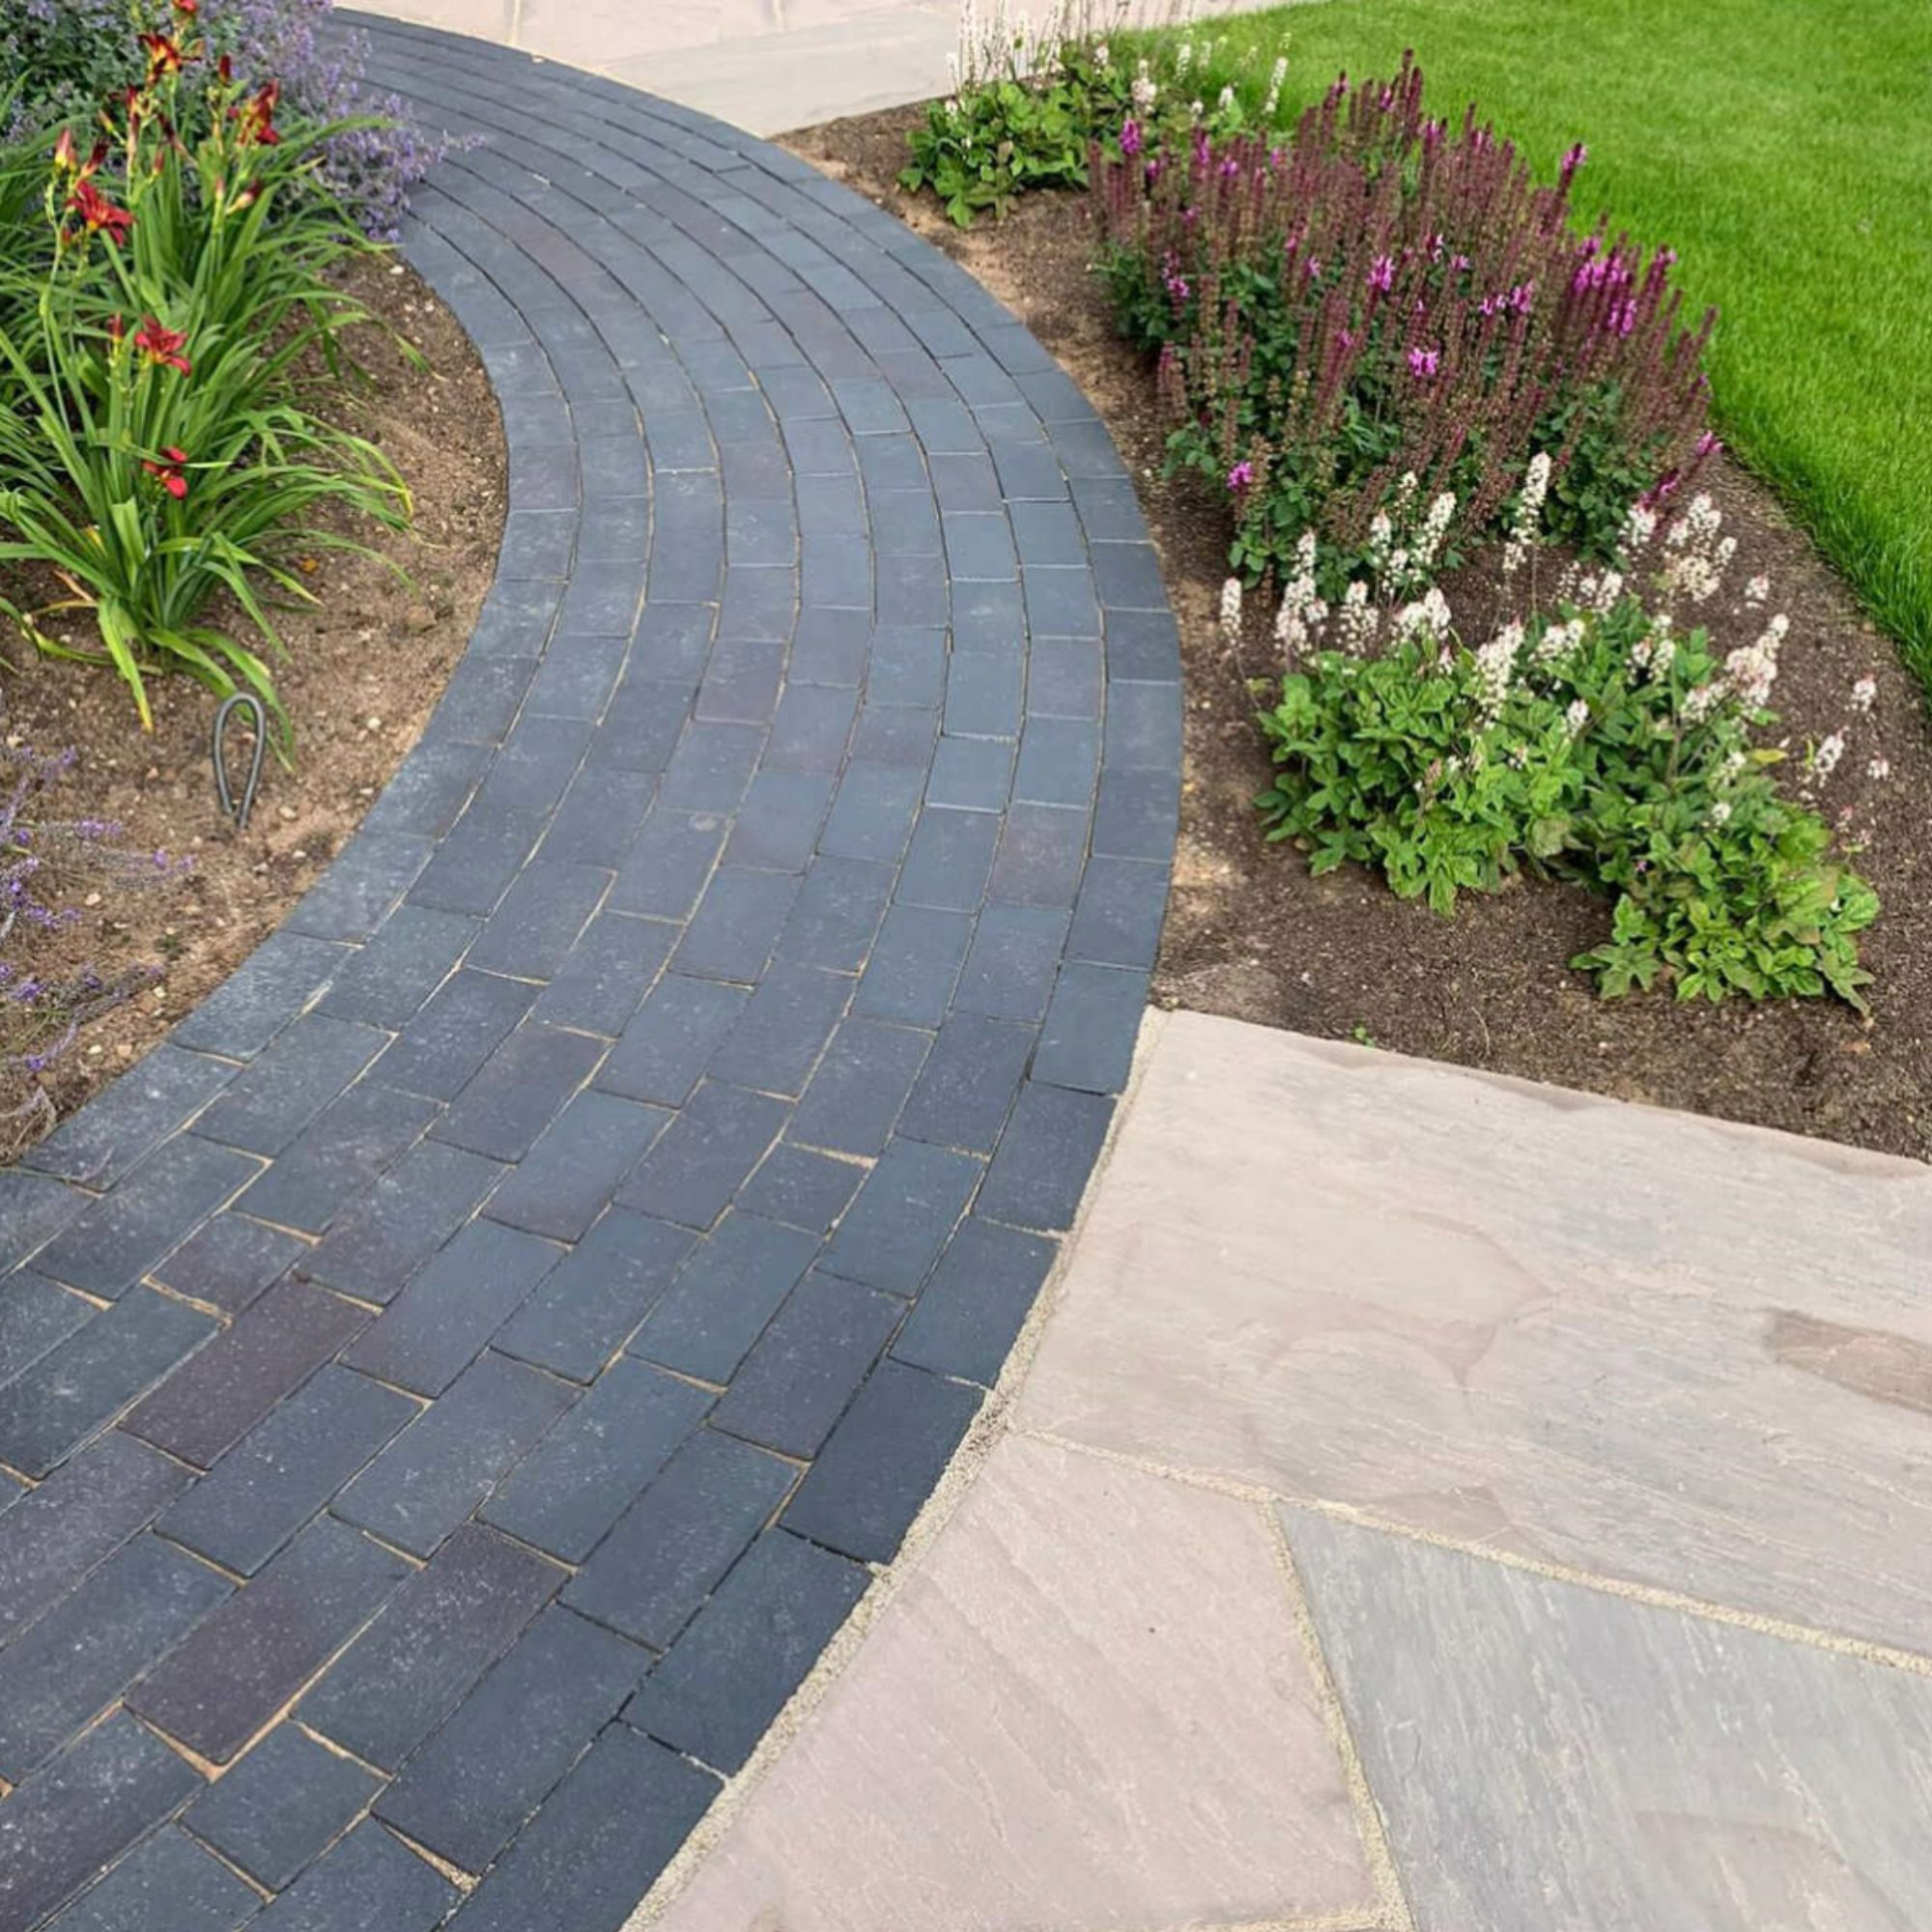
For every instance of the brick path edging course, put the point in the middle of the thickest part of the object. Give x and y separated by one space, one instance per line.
456 1386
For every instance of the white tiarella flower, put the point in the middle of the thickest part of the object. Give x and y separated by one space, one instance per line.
1146 90
1358 621
1231 608
1426 617
1577 717
1103 56
1183 59
1864 692
1879 768
1720 811
1225 100
1276 81
1639 527
1496 667
1825 760
1610 588
1757 590
1700 701
1528 521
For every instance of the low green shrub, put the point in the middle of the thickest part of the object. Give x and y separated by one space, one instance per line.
1602 746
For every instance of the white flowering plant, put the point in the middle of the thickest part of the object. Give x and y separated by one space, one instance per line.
1598 745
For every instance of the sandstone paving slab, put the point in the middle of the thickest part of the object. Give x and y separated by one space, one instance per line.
1660 1348
1546 1754
1088 1707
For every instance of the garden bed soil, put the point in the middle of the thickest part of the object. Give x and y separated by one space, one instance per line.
1252 935
365 664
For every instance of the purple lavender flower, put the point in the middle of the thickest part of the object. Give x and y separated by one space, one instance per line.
1423 363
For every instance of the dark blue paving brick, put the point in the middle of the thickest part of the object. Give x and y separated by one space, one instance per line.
1028 472
908 660
891 463
107 1136
599 819
983 694
448 1460
802 1187
125 1233
1065 676
240 1666
1043 852
742 680
671 1546
1143 727
534 769
836 572
971 773
597 1845
1127 576
230 1262
805 1367
283 1806
430 787
539 920
905 523
736 925
286 1469
520 1088
569 1176
828 651
403 1220
34 1208
896 734
335 1157
668 865
672 1039
299 1075
604 595
882 1462
870 408
950 860
691 1175
1118 919
1050 533
210 1403
83 1383
389 979
609 970
481 697
914 964
836 914
85 1651
1060 759
85 1511
262 995
832 506
537 543
964 479
667 648
1016 956
474 865
1144 646
861 1085
434 1639
980 544
758 604
1088 1041
747 1650
1043 1164
1138 815
778 826
967 1088
35 1315
724 1294
1061 602
909 1205
641 728
584 1475
506 1747
368 1880
591 1305
1085 447
614 526
455 1032
777 1038
80 1812
969 1314
442 1321
1108 507
362 885
988 618
760 531
166 1883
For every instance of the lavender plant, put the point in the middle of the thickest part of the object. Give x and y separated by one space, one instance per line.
44 1009
1602 743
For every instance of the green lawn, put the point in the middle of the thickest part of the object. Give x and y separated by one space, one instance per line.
1784 148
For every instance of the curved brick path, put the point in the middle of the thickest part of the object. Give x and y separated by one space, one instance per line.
455 1388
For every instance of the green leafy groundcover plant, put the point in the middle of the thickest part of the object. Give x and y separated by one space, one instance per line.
154 445
1601 747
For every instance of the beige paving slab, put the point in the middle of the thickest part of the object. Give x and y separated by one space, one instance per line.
1087 1708
1550 1758
1640 1343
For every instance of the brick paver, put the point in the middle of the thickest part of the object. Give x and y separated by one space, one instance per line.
451 1393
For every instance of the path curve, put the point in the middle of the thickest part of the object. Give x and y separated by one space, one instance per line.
453 1389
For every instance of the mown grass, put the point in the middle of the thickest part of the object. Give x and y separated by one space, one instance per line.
1784 148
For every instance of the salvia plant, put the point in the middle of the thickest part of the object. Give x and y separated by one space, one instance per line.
1609 742
1384 295
43 1013
158 449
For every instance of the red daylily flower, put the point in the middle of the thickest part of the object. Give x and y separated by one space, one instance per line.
162 346
256 120
187 8
168 471
66 158
116 329
98 214
164 55
224 69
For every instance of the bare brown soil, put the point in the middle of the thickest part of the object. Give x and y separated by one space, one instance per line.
1249 933
365 664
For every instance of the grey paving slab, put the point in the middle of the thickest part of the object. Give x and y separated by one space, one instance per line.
1543 1753
561 1104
